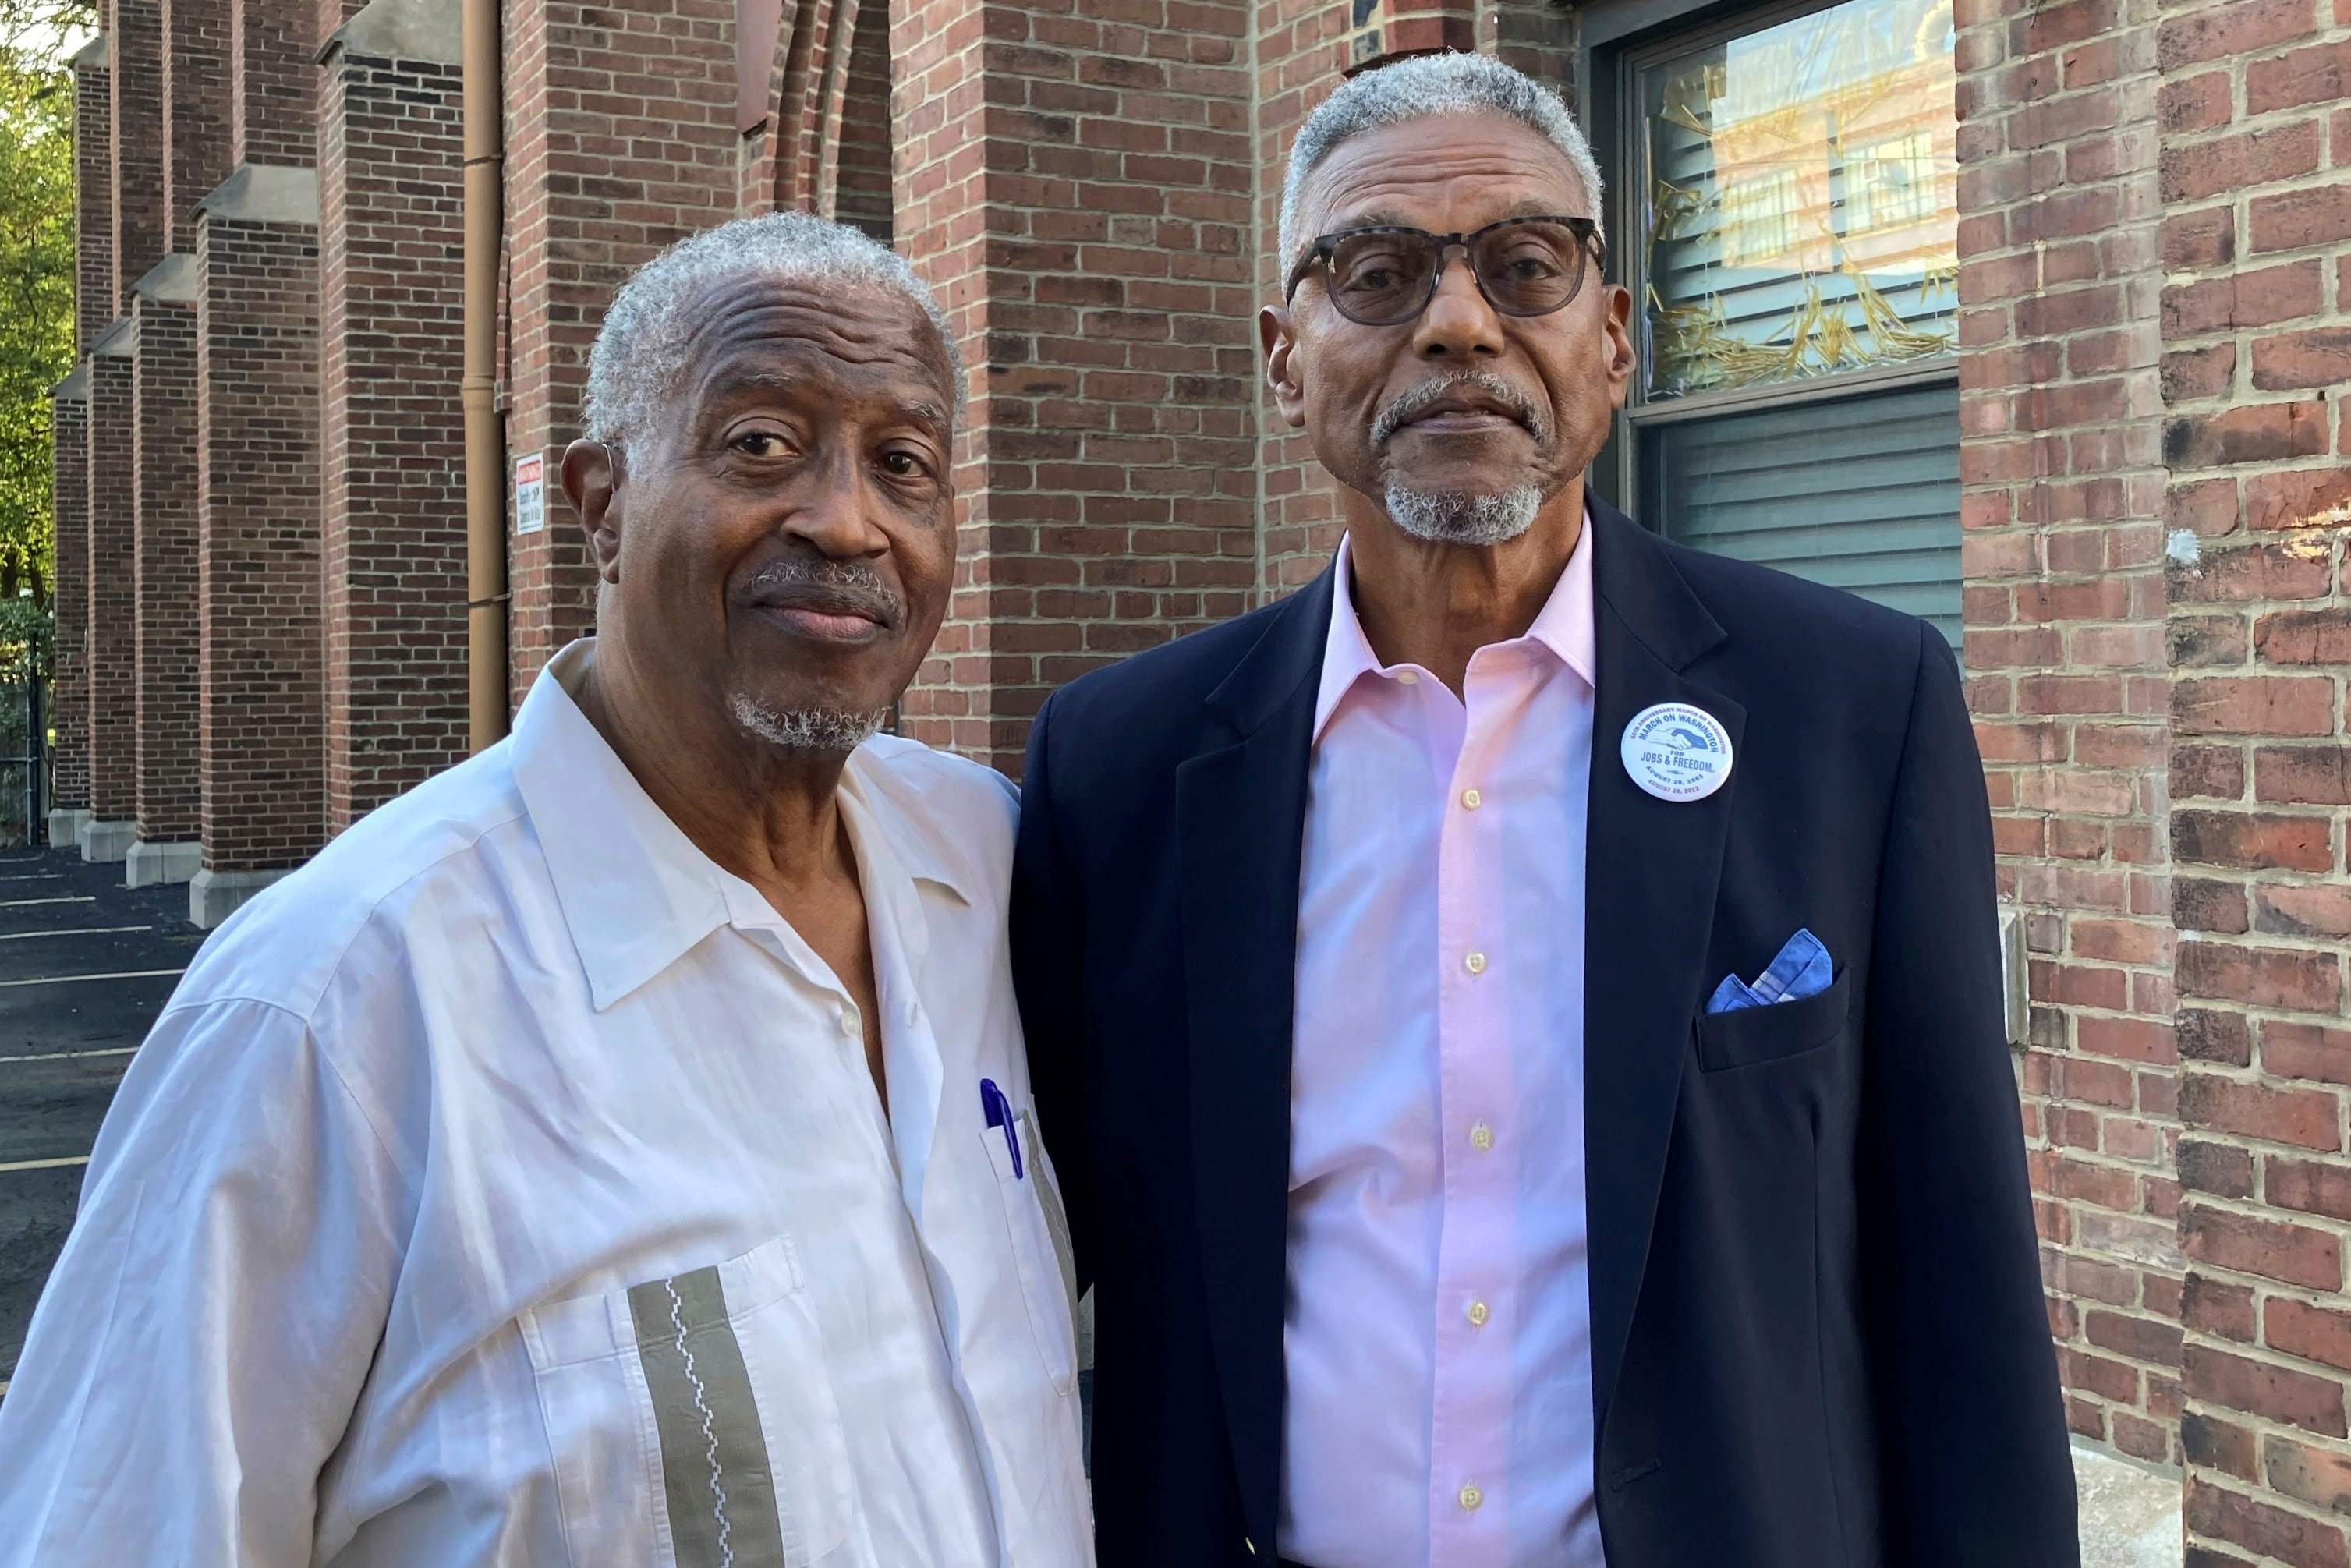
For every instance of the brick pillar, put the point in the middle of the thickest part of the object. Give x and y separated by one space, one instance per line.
260 736
163 458
95 303
109 613
1076 183
2257 338
272 83
69 600
195 89
2062 500
861 177
393 457
134 32
620 138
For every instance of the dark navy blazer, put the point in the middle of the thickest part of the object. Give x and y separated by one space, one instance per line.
1817 1329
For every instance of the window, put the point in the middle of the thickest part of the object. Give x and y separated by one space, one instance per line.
1789 188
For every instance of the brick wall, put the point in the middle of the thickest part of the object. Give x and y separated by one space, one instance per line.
257 555
1077 183
108 611
393 442
2061 491
2256 147
95 301
620 139
196 82
162 457
69 597
862 172
134 31
272 86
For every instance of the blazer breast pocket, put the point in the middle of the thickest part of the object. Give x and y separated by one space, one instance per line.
1753 1035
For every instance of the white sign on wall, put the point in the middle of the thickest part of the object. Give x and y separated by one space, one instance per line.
530 494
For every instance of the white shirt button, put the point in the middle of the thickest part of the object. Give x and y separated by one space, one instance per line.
851 1024
1409 677
1475 963
1471 800
1471 1496
1478 1314
1481 1138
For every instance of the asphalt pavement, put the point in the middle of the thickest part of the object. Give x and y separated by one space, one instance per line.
84 965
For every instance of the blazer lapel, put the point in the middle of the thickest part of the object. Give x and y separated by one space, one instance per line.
1651 872
1240 822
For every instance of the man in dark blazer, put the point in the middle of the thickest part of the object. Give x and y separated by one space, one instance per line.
1596 1146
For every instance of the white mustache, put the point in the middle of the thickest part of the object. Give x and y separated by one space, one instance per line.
1393 417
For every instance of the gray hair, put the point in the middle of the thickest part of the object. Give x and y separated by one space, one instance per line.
1418 88
640 356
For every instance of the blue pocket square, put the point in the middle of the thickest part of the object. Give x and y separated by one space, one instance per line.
1803 969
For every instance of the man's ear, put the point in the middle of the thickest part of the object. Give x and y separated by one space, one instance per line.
1617 325
591 478
1277 328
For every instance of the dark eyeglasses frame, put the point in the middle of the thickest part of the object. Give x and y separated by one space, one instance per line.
1325 247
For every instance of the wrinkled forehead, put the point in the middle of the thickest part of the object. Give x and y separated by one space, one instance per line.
1440 171
855 342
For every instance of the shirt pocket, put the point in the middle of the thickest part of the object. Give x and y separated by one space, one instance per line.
692 1419
1040 1248
1746 1037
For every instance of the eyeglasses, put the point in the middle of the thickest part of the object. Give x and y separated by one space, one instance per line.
1385 276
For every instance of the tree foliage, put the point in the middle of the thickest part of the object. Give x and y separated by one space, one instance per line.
36 276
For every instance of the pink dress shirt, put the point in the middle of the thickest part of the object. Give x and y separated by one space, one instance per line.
1439 1332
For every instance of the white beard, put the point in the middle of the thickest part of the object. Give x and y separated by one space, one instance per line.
1451 519
807 728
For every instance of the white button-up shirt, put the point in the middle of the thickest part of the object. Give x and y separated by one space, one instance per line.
508 1187
1438 1348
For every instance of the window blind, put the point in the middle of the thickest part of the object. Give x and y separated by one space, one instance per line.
1862 493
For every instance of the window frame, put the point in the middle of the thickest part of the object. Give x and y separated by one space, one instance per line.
1616 40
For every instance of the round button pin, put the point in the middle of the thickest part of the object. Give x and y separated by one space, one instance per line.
1676 752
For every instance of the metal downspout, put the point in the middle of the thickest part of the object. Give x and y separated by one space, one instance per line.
485 465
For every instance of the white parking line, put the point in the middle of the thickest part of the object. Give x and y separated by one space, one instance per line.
77 931
36 876
45 1165
118 975
29 902
69 1055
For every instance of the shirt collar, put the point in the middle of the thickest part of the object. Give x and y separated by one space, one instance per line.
1565 626
636 892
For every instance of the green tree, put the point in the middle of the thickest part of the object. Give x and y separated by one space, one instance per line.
37 281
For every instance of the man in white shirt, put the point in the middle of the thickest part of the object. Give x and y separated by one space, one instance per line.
619 1150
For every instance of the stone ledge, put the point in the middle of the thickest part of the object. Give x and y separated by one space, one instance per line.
65 827
162 864
429 32
214 895
2130 1512
266 193
107 842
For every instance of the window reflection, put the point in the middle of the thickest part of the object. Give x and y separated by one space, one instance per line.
1800 199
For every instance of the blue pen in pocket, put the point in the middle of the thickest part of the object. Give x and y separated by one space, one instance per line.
999 1110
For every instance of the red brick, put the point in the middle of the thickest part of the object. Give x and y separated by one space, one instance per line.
2314 775
2309 1118
2313 74
2237 27
2294 219
2260 433
2311 1186
2262 1527
2298 498
2204 168
2313 1333
2305 1051
2240 299
2248 841
2218 1446
2254 705
2210 1306
2319 1477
